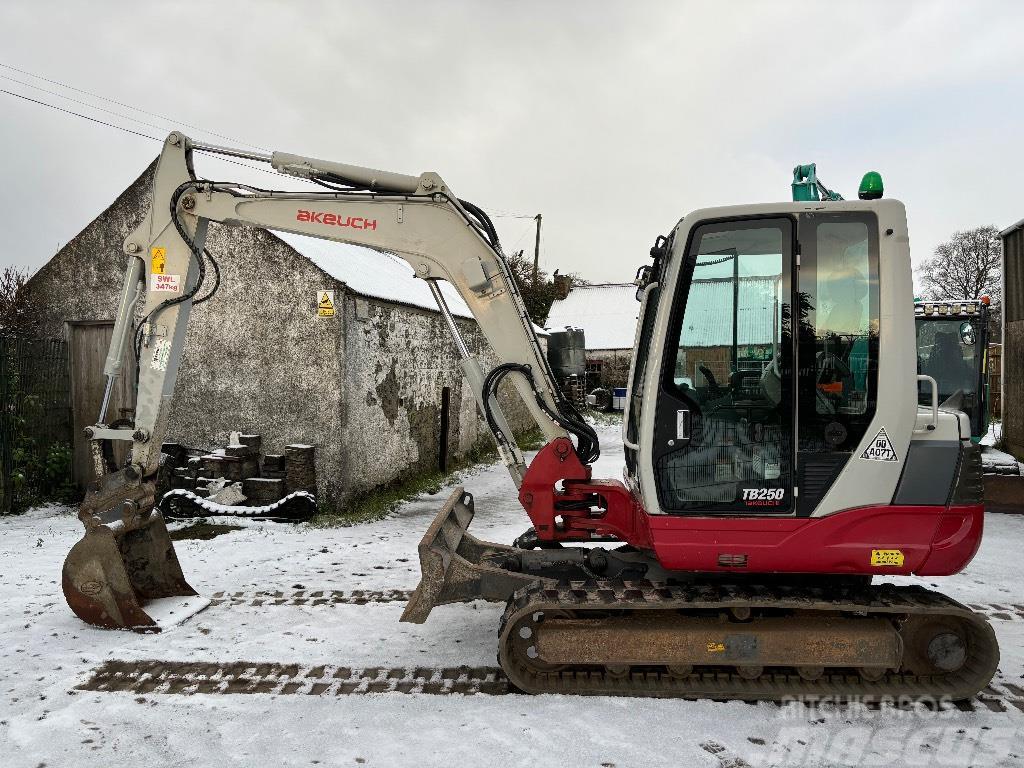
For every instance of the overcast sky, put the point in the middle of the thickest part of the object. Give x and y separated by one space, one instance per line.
611 119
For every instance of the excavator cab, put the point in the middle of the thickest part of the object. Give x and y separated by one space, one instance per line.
952 348
767 372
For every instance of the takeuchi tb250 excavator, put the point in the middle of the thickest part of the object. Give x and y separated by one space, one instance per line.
777 461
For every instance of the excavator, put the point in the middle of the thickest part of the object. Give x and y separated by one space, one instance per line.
779 471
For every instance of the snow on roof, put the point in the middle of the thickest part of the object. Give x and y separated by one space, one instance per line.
376 274
606 313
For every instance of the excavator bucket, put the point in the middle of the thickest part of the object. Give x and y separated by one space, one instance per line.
457 567
124 573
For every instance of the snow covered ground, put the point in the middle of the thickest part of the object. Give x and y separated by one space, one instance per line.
45 652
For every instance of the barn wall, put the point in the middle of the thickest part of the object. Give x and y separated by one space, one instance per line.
1013 341
398 359
258 359
83 280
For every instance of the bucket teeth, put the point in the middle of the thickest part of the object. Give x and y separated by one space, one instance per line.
125 559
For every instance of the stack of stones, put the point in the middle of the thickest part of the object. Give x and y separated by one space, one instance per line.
299 468
261 479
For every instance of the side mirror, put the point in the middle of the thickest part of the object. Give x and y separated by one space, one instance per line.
967 335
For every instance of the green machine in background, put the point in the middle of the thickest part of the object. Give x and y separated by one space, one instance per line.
952 348
952 336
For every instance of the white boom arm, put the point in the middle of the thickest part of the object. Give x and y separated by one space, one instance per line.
415 217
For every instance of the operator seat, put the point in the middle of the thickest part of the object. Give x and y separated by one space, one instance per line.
946 365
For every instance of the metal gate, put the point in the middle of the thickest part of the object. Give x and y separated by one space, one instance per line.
35 422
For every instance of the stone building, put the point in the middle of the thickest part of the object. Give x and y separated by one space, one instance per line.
370 387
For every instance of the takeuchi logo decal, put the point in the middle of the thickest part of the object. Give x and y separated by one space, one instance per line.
319 217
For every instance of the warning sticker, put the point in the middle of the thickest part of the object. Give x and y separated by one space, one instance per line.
887 557
159 260
325 303
880 449
161 354
165 283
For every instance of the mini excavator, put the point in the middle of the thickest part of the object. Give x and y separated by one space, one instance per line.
779 468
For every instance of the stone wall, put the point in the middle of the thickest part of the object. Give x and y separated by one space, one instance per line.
398 360
364 387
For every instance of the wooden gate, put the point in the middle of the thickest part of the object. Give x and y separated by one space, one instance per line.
87 349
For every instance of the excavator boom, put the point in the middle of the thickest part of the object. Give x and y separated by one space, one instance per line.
415 217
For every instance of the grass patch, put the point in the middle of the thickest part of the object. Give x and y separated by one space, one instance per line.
380 502
603 418
202 530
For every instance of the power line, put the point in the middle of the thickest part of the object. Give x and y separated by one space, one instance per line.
213 155
79 114
85 103
128 106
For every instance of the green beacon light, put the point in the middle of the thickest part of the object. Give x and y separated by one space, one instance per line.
871 186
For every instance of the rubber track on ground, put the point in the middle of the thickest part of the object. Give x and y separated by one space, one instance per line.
581 597
190 677
186 677
998 611
312 597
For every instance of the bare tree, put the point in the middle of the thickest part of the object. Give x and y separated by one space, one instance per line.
967 266
15 305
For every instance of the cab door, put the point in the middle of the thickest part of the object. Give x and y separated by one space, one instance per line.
724 430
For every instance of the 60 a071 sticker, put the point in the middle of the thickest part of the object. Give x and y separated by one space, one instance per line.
880 448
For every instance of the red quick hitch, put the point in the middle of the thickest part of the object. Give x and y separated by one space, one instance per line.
566 505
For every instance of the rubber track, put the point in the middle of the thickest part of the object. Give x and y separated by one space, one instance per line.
596 595
187 677
184 677
311 597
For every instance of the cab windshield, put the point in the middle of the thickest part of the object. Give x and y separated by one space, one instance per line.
947 350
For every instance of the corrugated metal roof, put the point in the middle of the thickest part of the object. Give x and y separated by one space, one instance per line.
708 320
606 313
1012 228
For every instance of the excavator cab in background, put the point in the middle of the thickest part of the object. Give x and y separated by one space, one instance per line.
777 460
952 348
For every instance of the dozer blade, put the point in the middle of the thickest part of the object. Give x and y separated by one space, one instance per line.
457 567
124 573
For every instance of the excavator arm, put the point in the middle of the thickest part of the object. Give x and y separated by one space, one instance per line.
126 557
415 217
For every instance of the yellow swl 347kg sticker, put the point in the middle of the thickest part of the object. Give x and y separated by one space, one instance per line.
887 557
